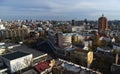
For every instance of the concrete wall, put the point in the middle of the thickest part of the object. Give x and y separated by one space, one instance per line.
20 63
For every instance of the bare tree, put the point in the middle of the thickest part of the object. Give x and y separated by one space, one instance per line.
27 61
115 51
17 68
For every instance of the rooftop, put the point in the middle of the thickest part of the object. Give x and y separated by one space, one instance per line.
42 66
31 71
14 55
24 48
71 68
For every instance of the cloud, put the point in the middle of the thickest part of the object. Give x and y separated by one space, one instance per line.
60 8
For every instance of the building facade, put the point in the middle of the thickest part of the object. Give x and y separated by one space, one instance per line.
17 61
19 34
64 40
102 24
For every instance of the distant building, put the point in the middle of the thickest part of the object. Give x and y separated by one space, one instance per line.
102 24
116 46
76 38
42 33
64 40
87 44
2 27
105 39
15 33
78 28
17 61
67 39
73 23
85 20
65 67
37 34
113 40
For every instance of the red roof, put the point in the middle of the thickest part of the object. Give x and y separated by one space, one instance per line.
42 66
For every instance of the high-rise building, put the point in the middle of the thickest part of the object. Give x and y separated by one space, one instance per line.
102 24
73 23
85 21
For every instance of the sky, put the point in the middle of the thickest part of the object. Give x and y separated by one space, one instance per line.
59 9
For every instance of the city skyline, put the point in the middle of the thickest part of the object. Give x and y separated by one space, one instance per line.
59 10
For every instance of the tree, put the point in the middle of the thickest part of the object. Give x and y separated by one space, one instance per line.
96 42
17 68
117 39
89 56
102 63
27 61
90 48
115 51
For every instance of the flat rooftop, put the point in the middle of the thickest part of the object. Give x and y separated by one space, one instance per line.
24 48
14 55
31 71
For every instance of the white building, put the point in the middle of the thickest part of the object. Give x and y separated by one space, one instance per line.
86 44
78 28
113 40
2 27
2 48
65 40
17 61
76 38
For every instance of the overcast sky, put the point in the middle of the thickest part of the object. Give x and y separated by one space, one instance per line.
59 9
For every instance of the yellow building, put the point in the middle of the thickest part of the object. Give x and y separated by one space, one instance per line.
15 33
76 39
